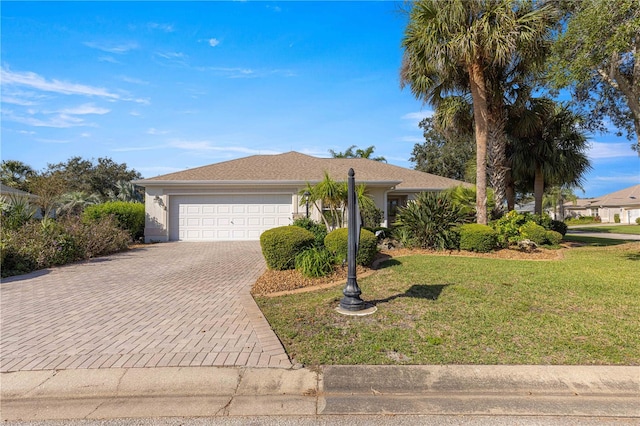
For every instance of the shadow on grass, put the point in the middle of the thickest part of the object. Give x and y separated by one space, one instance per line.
632 256
594 241
384 261
416 291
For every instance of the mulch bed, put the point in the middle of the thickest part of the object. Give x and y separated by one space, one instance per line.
276 283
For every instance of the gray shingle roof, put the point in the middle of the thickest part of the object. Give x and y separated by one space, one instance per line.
296 167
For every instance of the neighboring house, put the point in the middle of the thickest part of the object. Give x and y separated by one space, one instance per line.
625 203
7 191
240 199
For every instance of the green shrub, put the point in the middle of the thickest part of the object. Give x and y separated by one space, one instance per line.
318 230
478 238
315 262
534 232
430 220
41 244
16 211
508 227
582 220
337 243
638 220
559 226
371 216
281 245
130 215
554 238
616 218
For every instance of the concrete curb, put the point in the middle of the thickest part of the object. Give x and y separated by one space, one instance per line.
602 391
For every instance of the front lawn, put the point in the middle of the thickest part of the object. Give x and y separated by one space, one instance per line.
610 229
440 309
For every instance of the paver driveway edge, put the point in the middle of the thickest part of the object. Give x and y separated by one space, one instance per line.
170 304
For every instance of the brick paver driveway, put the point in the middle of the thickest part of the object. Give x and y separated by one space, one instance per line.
171 304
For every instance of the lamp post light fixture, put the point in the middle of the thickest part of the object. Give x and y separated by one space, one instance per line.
306 202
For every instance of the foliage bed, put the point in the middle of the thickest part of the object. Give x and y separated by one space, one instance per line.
337 243
281 245
42 244
441 309
129 215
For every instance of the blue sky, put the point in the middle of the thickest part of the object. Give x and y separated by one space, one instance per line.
168 86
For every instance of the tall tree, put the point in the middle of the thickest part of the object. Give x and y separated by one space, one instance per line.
84 176
443 154
358 153
598 56
16 174
551 153
450 47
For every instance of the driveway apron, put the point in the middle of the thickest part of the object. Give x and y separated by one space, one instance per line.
170 304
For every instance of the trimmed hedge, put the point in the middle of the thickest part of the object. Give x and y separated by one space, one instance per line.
478 238
337 243
534 232
316 228
281 245
559 226
130 215
554 238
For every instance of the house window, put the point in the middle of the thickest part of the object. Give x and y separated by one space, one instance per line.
594 212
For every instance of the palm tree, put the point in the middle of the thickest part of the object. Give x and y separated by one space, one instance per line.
358 153
73 203
451 48
332 195
125 191
551 152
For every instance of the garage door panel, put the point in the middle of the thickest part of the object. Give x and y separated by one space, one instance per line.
227 217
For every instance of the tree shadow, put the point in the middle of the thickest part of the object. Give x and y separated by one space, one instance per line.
383 261
632 256
27 276
416 291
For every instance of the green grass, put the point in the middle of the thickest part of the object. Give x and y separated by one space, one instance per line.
594 241
611 229
583 309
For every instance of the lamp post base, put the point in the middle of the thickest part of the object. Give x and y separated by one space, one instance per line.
368 310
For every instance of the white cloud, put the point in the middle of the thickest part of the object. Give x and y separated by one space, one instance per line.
633 178
417 116
17 101
204 146
213 42
601 150
167 28
119 49
85 109
56 141
171 55
133 80
153 131
56 121
35 81
110 59
85 135
135 113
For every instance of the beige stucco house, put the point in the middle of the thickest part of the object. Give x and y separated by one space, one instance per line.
625 203
240 199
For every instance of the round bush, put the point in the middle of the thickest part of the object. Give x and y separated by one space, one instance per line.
534 232
559 226
478 238
337 243
281 245
554 238
130 215
316 228
638 220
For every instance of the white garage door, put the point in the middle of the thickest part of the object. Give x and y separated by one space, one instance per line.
226 217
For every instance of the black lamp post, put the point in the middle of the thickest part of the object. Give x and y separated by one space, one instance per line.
351 300
306 200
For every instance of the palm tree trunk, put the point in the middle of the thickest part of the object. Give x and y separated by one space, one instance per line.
498 157
510 191
538 189
480 116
